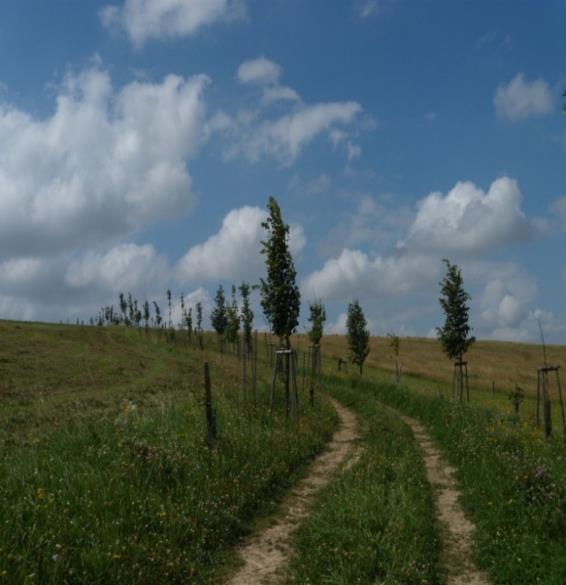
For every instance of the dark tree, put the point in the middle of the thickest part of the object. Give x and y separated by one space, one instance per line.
157 314
189 323
219 316
280 296
454 334
358 335
199 324
170 325
317 318
146 314
123 307
247 316
233 314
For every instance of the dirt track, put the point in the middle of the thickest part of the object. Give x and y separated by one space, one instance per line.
265 555
456 529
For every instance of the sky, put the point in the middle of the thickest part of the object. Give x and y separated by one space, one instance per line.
141 139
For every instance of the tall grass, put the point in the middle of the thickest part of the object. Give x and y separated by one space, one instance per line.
376 523
513 483
118 485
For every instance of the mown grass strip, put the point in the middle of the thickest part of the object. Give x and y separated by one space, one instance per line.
513 484
376 522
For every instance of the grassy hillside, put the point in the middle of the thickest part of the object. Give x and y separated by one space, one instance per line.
105 476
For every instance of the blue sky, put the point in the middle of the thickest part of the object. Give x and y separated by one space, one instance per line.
140 139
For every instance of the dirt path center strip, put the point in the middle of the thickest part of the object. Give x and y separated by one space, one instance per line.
265 555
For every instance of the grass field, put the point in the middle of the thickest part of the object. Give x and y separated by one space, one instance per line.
105 476
426 369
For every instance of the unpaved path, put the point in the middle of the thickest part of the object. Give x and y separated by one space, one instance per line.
456 529
265 555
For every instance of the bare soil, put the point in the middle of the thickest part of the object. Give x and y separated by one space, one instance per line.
266 553
456 530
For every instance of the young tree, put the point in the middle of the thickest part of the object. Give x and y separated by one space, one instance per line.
219 316
454 335
123 307
358 335
247 316
170 324
395 345
157 314
233 315
317 318
131 314
189 323
199 324
146 314
280 296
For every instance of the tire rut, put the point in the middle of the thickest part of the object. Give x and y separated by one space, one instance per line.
266 553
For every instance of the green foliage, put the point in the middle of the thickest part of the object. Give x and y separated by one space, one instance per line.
233 316
454 334
219 315
280 296
375 523
317 318
247 315
358 335
394 343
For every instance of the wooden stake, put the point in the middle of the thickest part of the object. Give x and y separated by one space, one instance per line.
209 411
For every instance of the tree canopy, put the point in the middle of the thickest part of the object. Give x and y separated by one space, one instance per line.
280 296
454 335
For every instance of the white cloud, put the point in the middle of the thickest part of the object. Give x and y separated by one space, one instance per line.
233 253
260 71
284 138
467 220
143 20
104 164
251 134
279 93
123 267
521 99
354 273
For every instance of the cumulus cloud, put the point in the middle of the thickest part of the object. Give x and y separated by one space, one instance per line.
144 20
104 164
355 273
467 220
234 252
123 267
521 99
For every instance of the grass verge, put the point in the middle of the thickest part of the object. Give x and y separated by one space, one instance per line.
376 522
513 484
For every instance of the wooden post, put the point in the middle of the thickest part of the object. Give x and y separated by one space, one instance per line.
273 381
254 382
244 376
538 397
561 402
209 411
